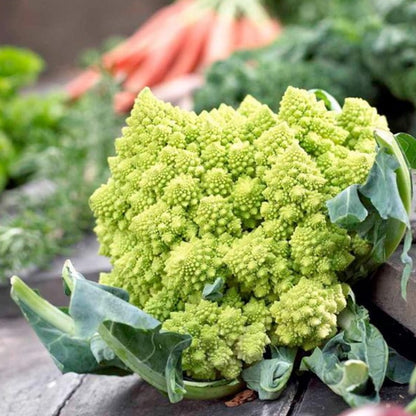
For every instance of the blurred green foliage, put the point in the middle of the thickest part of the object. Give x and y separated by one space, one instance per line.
18 67
363 48
58 150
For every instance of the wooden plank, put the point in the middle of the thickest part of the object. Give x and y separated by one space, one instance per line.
30 384
386 294
128 396
320 400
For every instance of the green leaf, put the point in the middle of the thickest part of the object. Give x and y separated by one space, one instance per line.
354 362
412 384
399 368
269 377
214 291
381 188
366 343
330 102
102 333
91 304
56 331
344 376
408 146
70 275
346 209
378 210
150 352
407 261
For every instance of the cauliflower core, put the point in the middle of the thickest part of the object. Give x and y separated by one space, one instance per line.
238 194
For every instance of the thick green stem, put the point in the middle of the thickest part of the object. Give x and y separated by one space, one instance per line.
395 228
411 407
22 293
211 390
67 270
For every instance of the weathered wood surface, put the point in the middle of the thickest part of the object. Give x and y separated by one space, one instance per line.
31 385
130 396
386 294
319 401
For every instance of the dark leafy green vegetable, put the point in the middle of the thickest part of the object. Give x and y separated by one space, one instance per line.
18 68
301 57
269 377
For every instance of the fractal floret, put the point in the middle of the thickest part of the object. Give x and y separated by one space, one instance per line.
238 195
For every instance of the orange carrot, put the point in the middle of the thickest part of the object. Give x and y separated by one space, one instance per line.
157 63
220 42
238 28
144 34
127 65
193 47
123 101
268 30
249 35
82 83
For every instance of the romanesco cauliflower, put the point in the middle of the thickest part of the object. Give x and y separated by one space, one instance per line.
237 194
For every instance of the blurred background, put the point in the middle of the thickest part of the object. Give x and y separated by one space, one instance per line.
70 71
59 31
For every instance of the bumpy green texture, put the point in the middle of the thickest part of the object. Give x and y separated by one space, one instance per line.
307 313
222 339
237 194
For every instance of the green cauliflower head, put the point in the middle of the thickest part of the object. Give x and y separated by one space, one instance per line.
237 194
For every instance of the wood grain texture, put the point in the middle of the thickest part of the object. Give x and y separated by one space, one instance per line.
30 384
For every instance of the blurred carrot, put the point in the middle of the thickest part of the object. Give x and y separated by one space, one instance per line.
180 39
249 34
157 63
83 83
144 35
268 31
194 46
220 41
238 24
123 101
